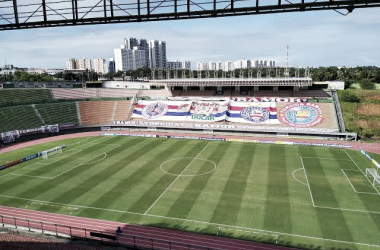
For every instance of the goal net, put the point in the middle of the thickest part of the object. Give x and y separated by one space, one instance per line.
47 153
371 172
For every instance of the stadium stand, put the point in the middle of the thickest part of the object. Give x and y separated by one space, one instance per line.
96 112
20 96
58 113
116 93
155 93
73 93
18 117
329 116
122 110
19 242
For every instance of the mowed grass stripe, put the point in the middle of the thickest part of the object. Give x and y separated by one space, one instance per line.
277 206
102 174
73 185
16 185
369 221
120 195
187 198
146 201
229 203
331 222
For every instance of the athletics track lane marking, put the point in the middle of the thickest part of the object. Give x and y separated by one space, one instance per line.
237 227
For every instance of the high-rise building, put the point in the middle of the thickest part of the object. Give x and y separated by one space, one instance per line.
174 64
71 63
202 66
111 66
100 66
157 54
141 44
129 59
84 63
186 64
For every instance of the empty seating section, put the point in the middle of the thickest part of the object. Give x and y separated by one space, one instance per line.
116 93
58 113
155 93
73 93
18 117
96 112
92 93
122 110
26 96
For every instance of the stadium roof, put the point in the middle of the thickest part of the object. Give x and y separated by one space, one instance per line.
304 81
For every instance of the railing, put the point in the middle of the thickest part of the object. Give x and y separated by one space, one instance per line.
338 110
107 237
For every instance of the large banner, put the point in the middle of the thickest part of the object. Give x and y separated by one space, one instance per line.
162 110
50 128
252 112
10 136
208 111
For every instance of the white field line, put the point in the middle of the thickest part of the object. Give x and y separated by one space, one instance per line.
200 222
349 181
176 179
296 178
35 176
307 180
105 156
343 170
327 158
350 210
83 162
42 163
362 172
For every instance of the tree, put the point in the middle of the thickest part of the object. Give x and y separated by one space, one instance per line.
367 84
348 96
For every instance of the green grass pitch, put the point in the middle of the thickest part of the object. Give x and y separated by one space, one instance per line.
307 197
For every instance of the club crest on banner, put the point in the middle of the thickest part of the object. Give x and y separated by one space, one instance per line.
154 110
301 115
255 114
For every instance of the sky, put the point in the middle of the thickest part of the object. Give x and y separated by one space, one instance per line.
317 38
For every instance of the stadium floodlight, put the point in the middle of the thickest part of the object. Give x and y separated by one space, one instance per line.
46 153
376 177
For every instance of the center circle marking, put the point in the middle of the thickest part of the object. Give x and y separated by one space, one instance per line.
187 175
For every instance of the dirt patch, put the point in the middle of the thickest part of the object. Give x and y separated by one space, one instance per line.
374 97
367 124
369 109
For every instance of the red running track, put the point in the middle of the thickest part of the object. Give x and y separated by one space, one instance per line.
137 235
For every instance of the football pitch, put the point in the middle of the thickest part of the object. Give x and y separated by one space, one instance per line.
306 197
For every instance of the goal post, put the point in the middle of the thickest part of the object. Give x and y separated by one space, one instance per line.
56 150
376 177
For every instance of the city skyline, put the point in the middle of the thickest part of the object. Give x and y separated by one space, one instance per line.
322 38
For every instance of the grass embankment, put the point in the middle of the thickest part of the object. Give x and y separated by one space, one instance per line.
363 114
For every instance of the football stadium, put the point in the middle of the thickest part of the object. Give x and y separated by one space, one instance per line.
187 164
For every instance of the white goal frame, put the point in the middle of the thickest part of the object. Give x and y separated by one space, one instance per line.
376 177
56 150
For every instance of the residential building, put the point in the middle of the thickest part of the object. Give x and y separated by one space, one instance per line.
100 66
157 54
186 64
84 63
141 44
129 59
71 63
174 64
111 66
